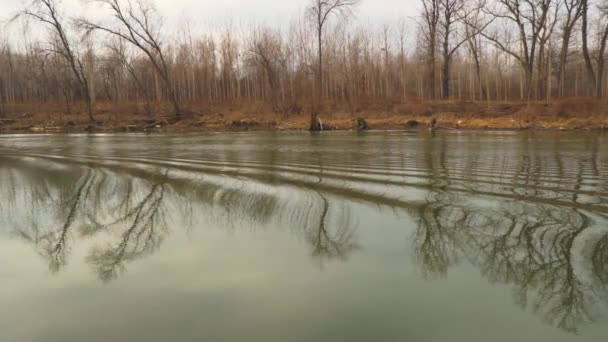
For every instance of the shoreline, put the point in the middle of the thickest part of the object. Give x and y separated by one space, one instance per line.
576 114
249 125
120 130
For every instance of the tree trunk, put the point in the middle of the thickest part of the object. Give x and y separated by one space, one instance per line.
563 60
315 123
432 68
586 54
601 62
445 79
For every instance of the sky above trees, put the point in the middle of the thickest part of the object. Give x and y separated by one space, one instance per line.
267 11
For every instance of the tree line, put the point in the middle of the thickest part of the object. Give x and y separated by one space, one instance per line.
467 50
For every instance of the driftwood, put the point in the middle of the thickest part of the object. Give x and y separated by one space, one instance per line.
187 114
131 128
361 124
244 124
319 126
169 119
156 124
434 124
412 124
24 128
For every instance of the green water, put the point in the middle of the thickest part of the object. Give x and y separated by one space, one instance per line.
297 237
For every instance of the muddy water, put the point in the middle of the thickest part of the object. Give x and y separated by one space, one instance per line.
299 237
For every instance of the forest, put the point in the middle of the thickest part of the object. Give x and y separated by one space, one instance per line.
464 59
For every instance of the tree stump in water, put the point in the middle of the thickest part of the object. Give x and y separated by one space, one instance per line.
316 125
434 125
362 124
412 124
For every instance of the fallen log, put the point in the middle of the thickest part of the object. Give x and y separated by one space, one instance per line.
156 124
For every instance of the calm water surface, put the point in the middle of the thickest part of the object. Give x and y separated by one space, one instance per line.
298 237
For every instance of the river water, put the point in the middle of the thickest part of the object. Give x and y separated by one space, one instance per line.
388 236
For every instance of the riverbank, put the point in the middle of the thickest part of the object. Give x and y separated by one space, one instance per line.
571 114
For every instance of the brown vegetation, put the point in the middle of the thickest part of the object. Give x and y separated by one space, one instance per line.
572 113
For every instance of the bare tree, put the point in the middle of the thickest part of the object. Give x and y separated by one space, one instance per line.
387 75
595 73
139 25
543 79
573 11
428 26
47 13
403 57
509 44
532 20
119 53
265 50
451 15
474 21
320 12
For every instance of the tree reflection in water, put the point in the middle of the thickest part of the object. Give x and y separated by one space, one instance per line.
539 249
146 226
331 241
522 233
138 206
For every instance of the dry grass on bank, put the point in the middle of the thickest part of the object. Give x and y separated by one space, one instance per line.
572 113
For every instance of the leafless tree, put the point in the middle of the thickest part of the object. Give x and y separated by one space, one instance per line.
118 51
573 11
475 22
320 12
595 73
48 13
428 27
532 21
453 13
510 45
265 49
139 25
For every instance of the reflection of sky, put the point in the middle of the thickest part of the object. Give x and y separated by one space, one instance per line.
262 286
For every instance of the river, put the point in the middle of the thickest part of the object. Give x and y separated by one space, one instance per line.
378 236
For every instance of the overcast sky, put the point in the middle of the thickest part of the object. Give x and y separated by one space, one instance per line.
273 12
